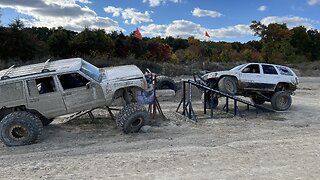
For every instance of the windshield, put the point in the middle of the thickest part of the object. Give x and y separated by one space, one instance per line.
90 70
237 68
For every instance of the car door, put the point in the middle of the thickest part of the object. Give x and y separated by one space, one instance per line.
270 77
80 93
251 77
45 97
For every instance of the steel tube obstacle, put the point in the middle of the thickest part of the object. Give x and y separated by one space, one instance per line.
187 109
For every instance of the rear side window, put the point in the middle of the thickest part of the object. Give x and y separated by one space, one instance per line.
268 69
284 71
41 86
11 92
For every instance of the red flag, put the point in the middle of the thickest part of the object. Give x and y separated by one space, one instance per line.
137 34
206 34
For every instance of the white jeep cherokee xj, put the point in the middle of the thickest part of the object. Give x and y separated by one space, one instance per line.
31 96
260 81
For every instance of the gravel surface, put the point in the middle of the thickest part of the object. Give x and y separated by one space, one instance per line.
282 145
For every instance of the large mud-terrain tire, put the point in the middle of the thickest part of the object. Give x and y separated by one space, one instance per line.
20 128
228 85
281 100
164 82
208 102
132 117
257 100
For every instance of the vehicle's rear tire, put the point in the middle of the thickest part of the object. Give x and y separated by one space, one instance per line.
228 85
132 117
164 82
20 128
208 101
281 100
257 100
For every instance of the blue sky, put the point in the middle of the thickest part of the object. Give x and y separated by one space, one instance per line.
224 20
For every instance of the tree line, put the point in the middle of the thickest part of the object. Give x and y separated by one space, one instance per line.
278 44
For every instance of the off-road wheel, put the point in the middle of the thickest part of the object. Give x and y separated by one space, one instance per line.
228 85
281 100
164 82
132 117
208 100
20 128
257 100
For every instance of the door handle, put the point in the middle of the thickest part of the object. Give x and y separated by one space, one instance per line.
34 100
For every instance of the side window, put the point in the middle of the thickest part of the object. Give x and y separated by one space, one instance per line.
268 69
252 68
73 80
284 71
11 92
41 86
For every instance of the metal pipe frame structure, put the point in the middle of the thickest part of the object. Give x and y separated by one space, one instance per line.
187 109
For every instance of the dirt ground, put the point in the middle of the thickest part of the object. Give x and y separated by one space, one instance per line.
282 145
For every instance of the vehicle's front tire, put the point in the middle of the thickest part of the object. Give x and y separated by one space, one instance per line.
132 117
20 128
228 85
281 100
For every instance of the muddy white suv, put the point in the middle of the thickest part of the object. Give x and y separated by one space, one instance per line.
31 96
262 82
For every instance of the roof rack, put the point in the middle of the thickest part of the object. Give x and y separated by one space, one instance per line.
45 67
5 75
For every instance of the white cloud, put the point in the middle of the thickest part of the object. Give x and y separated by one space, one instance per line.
84 1
65 13
313 2
115 11
202 13
262 8
291 21
154 3
135 16
185 29
130 15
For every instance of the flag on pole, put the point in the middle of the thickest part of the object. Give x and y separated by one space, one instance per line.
206 34
137 34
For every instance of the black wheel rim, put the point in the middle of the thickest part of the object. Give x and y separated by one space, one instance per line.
137 122
283 101
18 132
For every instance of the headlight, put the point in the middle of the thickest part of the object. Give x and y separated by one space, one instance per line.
205 77
212 75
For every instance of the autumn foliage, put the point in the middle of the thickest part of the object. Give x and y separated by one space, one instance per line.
278 44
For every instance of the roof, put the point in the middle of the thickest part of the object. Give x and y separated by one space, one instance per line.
262 63
63 65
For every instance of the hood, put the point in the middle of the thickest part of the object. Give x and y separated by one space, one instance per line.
121 73
217 74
